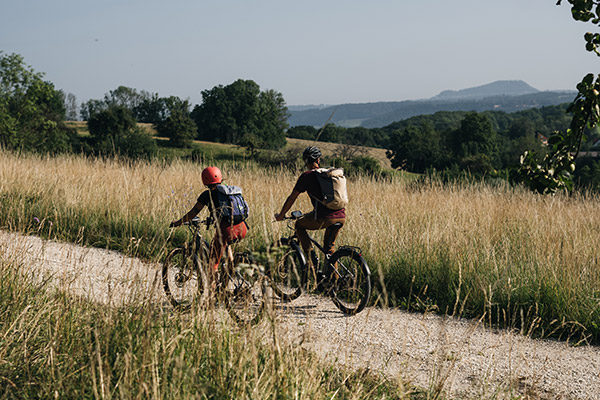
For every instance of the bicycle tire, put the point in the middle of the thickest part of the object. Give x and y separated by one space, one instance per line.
184 276
286 272
350 281
245 290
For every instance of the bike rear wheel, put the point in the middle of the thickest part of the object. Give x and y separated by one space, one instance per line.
183 276
285 270
350 281
245 290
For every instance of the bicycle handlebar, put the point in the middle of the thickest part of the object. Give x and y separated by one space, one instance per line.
294 215
197 221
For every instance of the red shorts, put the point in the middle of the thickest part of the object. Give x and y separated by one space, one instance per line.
225 234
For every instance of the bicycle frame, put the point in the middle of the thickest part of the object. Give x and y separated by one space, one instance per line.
194 226
304 260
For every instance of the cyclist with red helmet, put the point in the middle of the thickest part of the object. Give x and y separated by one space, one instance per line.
225 233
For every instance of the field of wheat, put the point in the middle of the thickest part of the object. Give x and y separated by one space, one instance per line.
514 258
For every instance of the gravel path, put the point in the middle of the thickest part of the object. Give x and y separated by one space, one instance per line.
459 356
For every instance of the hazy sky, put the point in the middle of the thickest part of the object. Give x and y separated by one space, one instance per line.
312 51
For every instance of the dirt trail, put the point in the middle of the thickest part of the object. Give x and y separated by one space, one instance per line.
468 360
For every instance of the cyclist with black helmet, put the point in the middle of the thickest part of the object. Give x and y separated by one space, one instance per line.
321 217
225 233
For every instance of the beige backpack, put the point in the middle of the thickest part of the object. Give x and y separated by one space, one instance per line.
333 186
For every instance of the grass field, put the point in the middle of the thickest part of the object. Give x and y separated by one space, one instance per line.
518 259
82 128
55 346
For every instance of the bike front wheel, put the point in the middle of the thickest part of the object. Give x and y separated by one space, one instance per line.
350 281
285 270
246 290
183 277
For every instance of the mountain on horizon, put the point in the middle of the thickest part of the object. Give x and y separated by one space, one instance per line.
507 96
498 88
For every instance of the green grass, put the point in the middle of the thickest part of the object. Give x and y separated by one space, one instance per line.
201 151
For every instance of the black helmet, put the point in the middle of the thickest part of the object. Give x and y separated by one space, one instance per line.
311 153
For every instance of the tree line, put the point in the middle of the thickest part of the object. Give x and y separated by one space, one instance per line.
33 115
238 113
487 143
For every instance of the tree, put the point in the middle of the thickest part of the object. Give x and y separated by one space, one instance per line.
332 133
91 108
114 131
155 110
126 97
271 120
178 126
553 171
111 124
144 106
522 127
587 174
306 132
240 113
416 148
151 110
71 107
511 149
32 111
137 144
475 136
365 137
227 112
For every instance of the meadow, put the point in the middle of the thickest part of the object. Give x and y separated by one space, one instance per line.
55 345
503 254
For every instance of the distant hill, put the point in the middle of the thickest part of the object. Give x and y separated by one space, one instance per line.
507 96
308 107
498 88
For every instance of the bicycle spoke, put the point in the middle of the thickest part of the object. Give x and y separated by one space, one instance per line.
345 271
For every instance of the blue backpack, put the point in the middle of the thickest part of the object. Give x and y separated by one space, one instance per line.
232 208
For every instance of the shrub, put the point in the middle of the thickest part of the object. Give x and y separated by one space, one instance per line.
115 132
179 128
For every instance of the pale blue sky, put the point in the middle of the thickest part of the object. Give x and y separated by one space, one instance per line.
312 51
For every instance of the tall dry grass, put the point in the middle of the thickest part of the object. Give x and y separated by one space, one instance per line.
57 346
520 259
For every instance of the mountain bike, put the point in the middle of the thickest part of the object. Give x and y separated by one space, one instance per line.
188 278
343 275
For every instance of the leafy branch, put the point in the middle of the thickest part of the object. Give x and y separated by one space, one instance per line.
553 172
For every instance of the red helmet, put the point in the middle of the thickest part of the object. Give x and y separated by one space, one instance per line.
211 176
